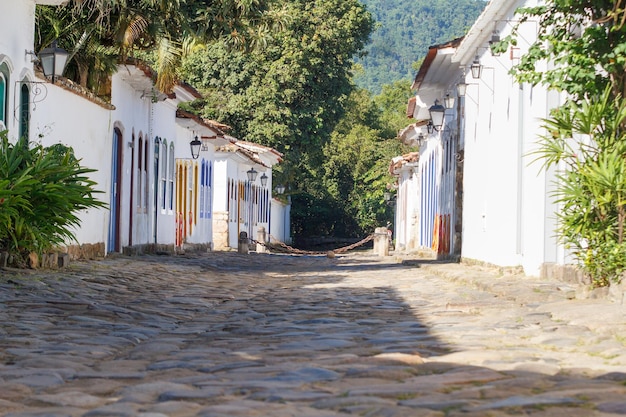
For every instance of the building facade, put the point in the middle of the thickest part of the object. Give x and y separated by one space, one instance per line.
498 200
428 215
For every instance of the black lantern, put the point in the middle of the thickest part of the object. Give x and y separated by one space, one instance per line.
429 127
461 89
420 139
53 60
280 189
437 112
195 146
495 39
263 180
252 173
448 101
476 68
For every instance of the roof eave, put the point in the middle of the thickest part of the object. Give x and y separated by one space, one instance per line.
482 29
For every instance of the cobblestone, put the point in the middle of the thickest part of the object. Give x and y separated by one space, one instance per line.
227 334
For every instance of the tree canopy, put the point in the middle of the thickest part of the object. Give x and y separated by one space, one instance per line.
290 94
101 33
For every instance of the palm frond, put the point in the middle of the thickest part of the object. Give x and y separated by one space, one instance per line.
168 60
136 28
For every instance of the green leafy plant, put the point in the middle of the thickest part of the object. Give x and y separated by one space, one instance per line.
587 144
42 190
584 42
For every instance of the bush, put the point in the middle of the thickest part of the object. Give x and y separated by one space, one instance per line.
42 189
591 182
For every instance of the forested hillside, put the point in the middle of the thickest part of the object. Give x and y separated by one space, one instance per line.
405 30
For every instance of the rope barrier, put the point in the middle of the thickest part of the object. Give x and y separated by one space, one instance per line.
293 250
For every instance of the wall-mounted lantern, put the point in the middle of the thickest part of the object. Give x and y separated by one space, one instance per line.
390 198
263 180
195 146
437 112
495 38
53 60
448 101
476 68
461 89
252 173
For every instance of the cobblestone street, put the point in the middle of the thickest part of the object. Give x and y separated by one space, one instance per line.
225 334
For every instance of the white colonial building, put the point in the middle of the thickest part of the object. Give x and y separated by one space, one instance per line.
428 207
500 204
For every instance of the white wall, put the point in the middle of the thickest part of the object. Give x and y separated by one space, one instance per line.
406 230
279 221
507 212
233 165
69 119
491 172
132 116
163 127
203 230
220 188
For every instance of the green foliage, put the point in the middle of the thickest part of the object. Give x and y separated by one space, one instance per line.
41 192
91 61
102 33
591 182
356 159
288 95
343 197
314 215
405 30
585 40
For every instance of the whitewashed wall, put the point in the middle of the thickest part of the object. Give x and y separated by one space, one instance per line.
69 119
165 128
406 227
234 166
279 221
56 115
17 33
220 188
507 212
132 116
203 232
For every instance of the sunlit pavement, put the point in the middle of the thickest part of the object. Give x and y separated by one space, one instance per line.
225 334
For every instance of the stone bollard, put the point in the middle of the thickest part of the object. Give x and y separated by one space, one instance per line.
63 260
260 238
53 260
381 241
243 243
